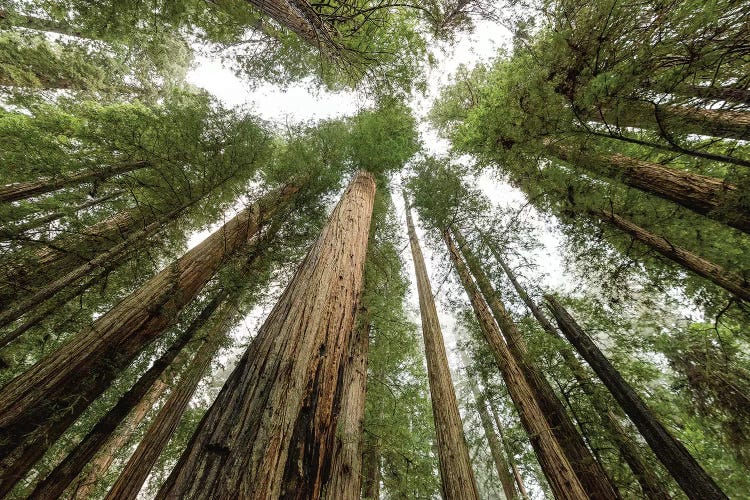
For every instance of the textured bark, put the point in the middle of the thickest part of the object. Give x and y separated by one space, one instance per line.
25 190
688 473
730 282
270 432
61 477
496 447
165 423
83 367
346 480
519 482
702 194
555 465
590 473
371 471
629 449
456 474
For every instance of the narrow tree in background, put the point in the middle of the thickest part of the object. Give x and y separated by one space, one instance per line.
688 473
455 467
271 430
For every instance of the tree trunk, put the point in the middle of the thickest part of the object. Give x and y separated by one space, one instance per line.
25 190
557 469
519 482
346 479
371 471
688 473
456 473
60 478
729 94
730 282
590 473
629 449
496 447
702 194
83 367
165 423
516 473
270 432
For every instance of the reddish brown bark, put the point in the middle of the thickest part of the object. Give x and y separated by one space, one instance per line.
730 282
555 465
270 432
82 368
590 473
25 190
688 473
456 473
345 479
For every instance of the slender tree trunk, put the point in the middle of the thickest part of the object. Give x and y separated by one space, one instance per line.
60 478
702 194
82 368
688 473
371 471
590 473
496 447
725 93
457 476
557 469
730 282
25 190
519 482
514 468
346 479
165 423
270 432
629 449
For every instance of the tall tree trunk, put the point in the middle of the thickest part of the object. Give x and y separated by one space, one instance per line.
688 473
165 423
24 190
371 471
730 282
346 479
590 473
60 478
519 482
270 432
702 194
514 468
456 474
556 466
629 449
58 388
496 447
728 93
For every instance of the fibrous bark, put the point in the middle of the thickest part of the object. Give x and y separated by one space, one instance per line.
688 473
270 432
456 473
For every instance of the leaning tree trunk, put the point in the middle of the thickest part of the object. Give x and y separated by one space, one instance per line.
25 190
730 282
496 447
555 465
64 474
165 423
270 433
456 473
688 473
590 473
57 389
702 194
371 471
629 449
346 479
514 468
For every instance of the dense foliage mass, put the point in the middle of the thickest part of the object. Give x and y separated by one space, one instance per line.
184 284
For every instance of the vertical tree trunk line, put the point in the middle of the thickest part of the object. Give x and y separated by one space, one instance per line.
273 421
84 367
496 447
456 473
589 471
514 468
371 470
688 473
346 479
555 465
629 449
60 478
24 190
